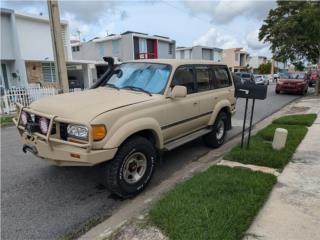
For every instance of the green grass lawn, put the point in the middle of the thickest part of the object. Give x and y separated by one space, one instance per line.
5 120
261 152
219 203
301 119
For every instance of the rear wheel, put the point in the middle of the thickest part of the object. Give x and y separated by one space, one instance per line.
217 136
131 169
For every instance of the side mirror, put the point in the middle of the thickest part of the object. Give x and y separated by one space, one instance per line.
178 92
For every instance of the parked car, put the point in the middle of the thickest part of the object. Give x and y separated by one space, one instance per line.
261 80
246 77
136 111
313 76
292 82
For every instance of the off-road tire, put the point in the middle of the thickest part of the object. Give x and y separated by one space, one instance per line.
211 139
114 179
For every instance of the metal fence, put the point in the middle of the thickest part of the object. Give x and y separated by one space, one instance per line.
24 96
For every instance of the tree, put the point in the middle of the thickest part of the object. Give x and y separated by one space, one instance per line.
293 30
265 68
299 66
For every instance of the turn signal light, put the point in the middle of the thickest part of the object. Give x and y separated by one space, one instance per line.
98 132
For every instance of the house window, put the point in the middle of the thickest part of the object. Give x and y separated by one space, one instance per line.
170 48
75 48
49 73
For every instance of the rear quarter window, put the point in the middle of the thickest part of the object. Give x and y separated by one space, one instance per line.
221 78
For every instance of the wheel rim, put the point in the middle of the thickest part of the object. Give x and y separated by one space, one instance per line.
134 167
220 129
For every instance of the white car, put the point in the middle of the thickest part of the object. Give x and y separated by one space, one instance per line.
261 80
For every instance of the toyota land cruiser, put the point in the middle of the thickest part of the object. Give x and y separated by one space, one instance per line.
134 112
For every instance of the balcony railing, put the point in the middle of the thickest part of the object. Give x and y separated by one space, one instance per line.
148 55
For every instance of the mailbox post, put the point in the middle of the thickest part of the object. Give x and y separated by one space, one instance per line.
250 91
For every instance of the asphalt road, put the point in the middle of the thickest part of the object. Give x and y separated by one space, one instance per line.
40 201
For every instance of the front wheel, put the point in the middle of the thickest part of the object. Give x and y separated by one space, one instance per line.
131 169
217 136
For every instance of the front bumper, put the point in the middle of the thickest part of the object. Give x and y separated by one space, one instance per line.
58 151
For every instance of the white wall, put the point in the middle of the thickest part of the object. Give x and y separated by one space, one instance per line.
35 39
7 43
163 50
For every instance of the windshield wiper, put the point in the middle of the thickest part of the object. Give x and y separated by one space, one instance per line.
137 89
112 86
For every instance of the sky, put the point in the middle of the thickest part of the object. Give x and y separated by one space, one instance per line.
220 23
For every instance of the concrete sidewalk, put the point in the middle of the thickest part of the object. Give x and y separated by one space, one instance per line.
293 208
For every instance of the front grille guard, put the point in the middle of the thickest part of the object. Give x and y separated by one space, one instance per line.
53 119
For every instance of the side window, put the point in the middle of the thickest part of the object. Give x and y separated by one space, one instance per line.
203 78
184 76
221 78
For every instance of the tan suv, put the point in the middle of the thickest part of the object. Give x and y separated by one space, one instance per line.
136 110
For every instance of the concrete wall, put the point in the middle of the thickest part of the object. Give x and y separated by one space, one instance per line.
7 43
163 50
35 39
126 47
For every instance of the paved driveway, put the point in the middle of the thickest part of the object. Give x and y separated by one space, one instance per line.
40 201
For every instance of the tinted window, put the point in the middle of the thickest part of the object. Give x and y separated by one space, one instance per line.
244 75
203 78
221 78
184 76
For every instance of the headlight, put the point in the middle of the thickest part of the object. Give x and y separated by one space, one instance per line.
77 131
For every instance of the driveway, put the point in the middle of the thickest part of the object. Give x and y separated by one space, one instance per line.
40 201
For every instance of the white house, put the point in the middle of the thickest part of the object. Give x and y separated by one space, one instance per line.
125 46
27 53
256 61
200 52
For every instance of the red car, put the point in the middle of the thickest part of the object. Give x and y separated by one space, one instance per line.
292 82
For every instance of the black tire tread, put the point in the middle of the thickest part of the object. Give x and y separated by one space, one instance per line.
113 166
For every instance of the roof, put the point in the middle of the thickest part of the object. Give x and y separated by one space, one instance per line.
201 46
178 62
29 16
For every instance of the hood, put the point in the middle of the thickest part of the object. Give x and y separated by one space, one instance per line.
294 80
83 106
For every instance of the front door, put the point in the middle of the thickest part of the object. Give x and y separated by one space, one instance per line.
182 113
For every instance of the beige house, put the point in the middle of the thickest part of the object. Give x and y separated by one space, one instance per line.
237 59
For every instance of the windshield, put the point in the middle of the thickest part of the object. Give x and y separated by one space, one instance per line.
292 75
150 77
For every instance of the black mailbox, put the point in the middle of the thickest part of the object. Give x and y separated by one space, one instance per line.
251 91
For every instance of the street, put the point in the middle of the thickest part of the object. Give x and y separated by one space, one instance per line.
40 201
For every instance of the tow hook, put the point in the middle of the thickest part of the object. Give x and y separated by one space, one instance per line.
28 148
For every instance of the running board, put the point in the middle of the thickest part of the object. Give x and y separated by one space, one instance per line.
177 143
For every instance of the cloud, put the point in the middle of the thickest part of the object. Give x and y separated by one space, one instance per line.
225 11
213 38
92 18
253 40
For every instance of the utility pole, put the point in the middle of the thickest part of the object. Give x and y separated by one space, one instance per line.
58 48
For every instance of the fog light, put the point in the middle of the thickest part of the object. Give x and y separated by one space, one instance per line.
44 125
24 118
